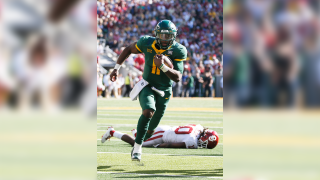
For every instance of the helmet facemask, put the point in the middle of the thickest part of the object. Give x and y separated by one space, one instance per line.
202 144
165 37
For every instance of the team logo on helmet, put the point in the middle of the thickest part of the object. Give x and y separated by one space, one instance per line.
212 138
209 140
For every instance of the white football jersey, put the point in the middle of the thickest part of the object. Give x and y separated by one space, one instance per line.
188 134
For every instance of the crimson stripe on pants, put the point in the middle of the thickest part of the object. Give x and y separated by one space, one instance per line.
158 132
154 138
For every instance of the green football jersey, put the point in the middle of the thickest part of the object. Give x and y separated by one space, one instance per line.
177 53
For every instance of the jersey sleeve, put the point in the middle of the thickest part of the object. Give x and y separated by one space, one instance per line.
191 143
141 43
180 56
199 127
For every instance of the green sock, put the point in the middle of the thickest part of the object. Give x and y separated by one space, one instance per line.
154 122
147 136
142 128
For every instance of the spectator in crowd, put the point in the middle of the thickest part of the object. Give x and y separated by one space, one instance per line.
129 85
184 83
130 60
139 62
216 65
198 80
193 67
106 82
137 66
187 66
113 88
100 86
207 83
201 67
113 45
135 78
197 57
120 84
99 47
189 86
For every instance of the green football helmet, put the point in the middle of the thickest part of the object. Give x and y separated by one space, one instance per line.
166 33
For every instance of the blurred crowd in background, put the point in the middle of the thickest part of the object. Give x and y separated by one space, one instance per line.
271 53
271 89
44 64
200 30
48 89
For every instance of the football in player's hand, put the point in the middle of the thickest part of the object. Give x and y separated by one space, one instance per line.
168 62
160 58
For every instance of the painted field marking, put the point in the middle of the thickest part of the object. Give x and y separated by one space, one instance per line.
131 133
138 112
117 125
125 132
165 175
155 154
129 125
164 120
168 109
163 116
123 141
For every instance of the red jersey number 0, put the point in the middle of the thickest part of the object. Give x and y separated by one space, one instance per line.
183 130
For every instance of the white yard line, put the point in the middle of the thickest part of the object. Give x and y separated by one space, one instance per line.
163 116
121 140
117 125
139 111
165 175
154 154
126 132
129 125
175 120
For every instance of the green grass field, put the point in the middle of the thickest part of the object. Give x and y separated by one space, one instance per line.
113 158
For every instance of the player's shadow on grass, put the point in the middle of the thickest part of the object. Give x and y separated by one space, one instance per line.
105 169
196 155
152 177
124 145
215 172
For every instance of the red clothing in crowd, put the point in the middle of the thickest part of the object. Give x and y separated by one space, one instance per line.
187 66
140 59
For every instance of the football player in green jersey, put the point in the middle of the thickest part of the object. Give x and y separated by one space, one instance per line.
157 74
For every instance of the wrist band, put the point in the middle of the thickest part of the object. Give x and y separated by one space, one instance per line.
117 67
164 68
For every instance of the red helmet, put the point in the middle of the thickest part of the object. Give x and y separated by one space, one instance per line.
209 140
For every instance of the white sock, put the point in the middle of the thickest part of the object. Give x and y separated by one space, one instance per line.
118 134
137 148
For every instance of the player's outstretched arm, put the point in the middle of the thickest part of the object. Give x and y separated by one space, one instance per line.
172 145
171 73
128 139
131 49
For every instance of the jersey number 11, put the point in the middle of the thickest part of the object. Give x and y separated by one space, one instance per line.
155 68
